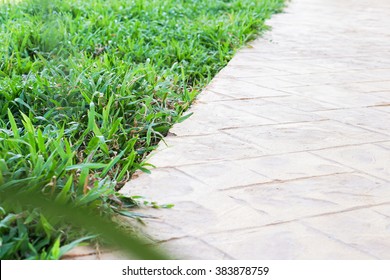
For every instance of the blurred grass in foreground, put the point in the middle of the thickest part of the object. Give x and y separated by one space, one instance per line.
81 217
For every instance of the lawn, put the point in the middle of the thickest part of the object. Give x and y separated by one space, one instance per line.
88 88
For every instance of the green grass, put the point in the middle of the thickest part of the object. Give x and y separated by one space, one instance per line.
88 88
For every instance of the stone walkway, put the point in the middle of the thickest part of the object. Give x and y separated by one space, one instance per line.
287 154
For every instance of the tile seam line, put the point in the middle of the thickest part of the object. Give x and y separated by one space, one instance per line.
264 75
377 91
323 120
277 181
246 126
339 83
96 253
277 104
383 147
363 127
379 106
381 110
313 98
270 155
232 108
303 58
159 242
274 124
214 247
279 88
315 150
196 238
243 99
351 209
259 86
374 107
351 246
190 176
295 93
353 168
379 213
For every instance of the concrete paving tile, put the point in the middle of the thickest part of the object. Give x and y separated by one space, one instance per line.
292 166
151 227
283 242
315 79
200 149
225 174
204 213
362 62
306 136
271 82
385 145
207 96
370 159
296 199
290 66
371 86
385 109
192 248
368 118
198 207
186 218
163 185
276 112
345 63
240 89
377 74
278 53
210 118
340 95
302 103
383 210
384 95
236 72
362 229
384 106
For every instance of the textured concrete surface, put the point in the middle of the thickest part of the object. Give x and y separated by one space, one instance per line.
287 154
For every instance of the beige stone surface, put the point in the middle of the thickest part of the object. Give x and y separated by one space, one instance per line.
283 242
305 136
385 145
287 153
198 249
342 96
296 199
367 158
370 229
213 117
361 117
201 149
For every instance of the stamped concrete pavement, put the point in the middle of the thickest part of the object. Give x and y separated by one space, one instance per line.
287 154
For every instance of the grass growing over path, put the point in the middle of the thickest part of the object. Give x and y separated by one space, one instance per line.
87 89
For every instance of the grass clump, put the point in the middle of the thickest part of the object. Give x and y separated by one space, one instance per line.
87 89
